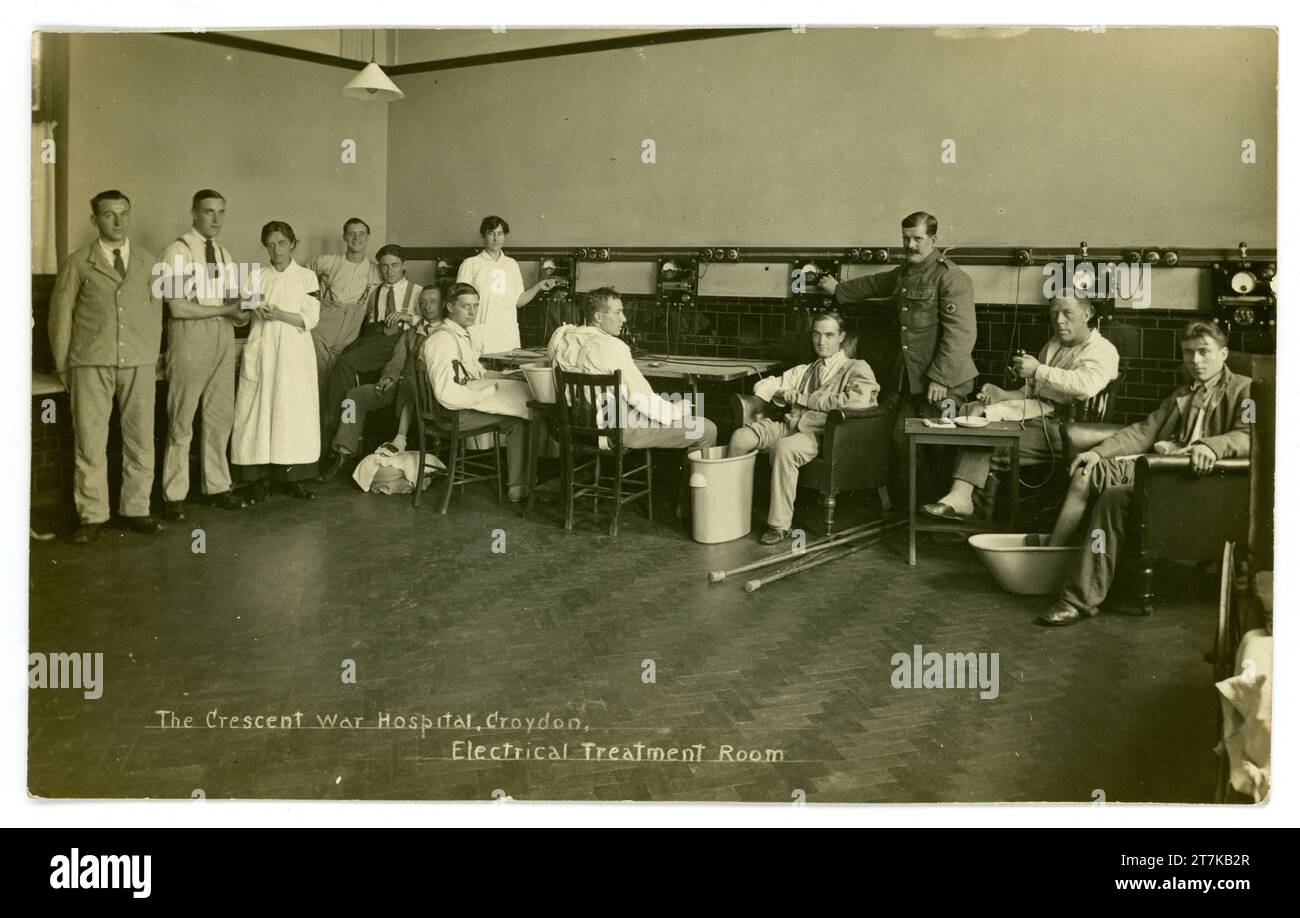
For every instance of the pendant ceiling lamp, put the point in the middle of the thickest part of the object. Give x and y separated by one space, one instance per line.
372 84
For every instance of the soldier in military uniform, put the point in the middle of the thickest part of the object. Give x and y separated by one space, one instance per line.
935 302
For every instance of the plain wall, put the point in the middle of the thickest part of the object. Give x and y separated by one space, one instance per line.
160 117
1123 137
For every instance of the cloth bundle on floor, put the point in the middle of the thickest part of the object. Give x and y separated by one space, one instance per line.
393 474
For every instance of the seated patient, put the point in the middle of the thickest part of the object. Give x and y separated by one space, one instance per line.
391 388
484 396
652 422
1203 421
830 382
1073 366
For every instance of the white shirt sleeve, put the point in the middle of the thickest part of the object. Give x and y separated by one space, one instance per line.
440 356
1098 364
791 379
310 305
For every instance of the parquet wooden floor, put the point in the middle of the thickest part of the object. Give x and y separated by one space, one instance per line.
563 623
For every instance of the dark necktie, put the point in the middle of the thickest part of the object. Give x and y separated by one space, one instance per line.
391 308
118 263
210 256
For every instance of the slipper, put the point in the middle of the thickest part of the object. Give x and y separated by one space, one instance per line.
945 512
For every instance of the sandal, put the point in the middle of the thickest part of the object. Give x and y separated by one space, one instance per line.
945 512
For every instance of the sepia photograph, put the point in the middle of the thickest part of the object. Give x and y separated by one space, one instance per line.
783 414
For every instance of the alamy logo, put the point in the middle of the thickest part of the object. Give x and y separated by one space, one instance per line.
102 871
946 670
67 670
1086 280
635 411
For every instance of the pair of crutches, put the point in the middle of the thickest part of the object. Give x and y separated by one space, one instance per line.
816 553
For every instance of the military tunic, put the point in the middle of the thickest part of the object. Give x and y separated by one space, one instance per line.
935 302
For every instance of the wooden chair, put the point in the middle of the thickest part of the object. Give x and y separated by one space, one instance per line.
582 400
854 455
432 418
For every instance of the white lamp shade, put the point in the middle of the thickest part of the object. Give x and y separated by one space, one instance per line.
373 85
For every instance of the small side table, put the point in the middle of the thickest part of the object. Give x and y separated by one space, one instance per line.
995 434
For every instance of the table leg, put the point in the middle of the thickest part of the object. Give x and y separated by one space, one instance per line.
911 503
1015 485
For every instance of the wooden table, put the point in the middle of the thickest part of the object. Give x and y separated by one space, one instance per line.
997 433
714 369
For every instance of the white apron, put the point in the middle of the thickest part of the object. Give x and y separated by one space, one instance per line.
277 407
499 284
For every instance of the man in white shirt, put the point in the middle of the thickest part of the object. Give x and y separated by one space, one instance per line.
1073 366
393 307
201 356
652 422
483 397
831 382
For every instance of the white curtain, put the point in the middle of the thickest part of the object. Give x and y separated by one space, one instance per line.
44 257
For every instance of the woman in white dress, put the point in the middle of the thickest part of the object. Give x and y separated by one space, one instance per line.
495 275
277 426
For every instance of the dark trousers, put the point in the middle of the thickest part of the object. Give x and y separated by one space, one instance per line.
1098 563
367 399
366 355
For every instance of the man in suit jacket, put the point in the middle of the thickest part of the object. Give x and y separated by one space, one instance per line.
105 330
1204 421
831 382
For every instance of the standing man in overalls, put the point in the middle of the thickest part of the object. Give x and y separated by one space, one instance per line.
203 304
935 303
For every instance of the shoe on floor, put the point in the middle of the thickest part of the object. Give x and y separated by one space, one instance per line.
1062 613
227 500
174 510
87 533
517 493
144 525
774 536
336 467
300 490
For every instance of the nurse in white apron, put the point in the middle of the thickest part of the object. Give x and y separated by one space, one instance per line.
277 426
495 275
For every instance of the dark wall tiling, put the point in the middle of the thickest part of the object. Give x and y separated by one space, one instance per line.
771 329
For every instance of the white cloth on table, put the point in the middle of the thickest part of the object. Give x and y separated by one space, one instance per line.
276 416
499 284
